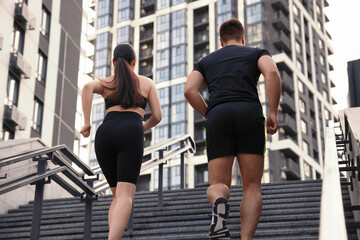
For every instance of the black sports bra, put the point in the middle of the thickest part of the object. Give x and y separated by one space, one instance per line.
110 103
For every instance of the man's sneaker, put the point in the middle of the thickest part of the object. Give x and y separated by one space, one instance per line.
220 212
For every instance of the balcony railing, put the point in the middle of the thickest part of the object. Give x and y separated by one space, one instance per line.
287 81
282 41
146 71
287 102
20 65
147 53
23 14
290 168
147 35
281 22
287 122
15 117
280 5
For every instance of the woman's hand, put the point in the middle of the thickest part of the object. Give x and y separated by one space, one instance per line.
272 124
85 130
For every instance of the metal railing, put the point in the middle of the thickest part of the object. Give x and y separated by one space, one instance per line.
81 183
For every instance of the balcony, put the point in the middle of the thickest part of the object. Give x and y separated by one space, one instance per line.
332 84
146 53
287 103
334 102
291 168
315 144
287 81
146 35
326 3
13 117
282 5
146 71
282 41
331 67
281 22
147 7
287 123
201 17
20 65
200 54
24 16
201 38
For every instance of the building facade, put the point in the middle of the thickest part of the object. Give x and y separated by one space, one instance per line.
40 49
171 36
353 68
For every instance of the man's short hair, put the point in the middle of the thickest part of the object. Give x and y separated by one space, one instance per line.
232 29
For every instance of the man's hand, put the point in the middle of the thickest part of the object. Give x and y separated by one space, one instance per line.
85 130
272 124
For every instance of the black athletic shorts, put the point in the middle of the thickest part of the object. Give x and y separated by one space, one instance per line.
235 127
119 146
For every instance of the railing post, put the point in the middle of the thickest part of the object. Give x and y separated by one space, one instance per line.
88 211
130 225
160 189
38 200
182 166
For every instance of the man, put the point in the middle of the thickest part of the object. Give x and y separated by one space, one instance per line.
235 123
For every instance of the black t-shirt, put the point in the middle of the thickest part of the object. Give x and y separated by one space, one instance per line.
231 74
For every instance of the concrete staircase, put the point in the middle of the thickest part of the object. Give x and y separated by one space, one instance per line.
290 211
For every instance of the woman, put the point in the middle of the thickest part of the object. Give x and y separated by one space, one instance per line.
119 140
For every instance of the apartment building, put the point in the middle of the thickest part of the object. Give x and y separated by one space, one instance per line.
171 36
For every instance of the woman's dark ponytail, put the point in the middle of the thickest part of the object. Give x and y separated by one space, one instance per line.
127 90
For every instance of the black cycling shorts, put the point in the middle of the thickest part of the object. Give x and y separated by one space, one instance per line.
119 146
235 127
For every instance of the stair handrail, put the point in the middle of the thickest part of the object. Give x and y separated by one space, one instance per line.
332 218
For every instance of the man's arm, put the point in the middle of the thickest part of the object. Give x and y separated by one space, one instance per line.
270 71
194 84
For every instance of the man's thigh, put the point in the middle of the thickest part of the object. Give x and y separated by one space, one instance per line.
251 168
220 170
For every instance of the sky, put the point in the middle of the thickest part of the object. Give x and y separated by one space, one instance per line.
344 28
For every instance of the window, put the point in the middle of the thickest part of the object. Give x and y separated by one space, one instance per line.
323 78
162 74
177 129
161 133
178 112
12 90
162 4
175 2
124 35
301 86
178 36
178 54
305 147
104 13
45 23
297 28
326 95
321 44
163 95
17 40
295 10
300 66
302 106
125 10
201 174
254 33
178 70
98 111
318 9
178 18
162 58
298 47
7 133
304 127
249 2
165 115
102 54
307 169
37 115
253 13
163 40
322 60
163 23
177 93
41 68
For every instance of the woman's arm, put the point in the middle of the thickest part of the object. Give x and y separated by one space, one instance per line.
88 90
194 84
155 108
